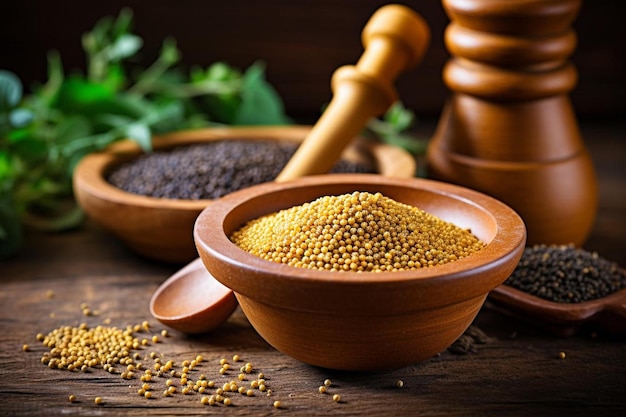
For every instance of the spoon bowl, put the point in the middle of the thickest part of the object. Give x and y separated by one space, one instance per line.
192 301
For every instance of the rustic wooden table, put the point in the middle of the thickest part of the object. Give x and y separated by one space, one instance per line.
516 371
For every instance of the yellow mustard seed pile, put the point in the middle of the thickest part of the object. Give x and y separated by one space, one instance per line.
84 349
357 232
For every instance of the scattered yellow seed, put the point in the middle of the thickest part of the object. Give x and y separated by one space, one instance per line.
148 394
71 398
336 398
164 333
227 401
25 348
50 294
219 391
250 393
262 387
328 382
241 377
261 375
322 389
199 358
98 400
400 383
141 391
185 390
561 355
236 358
277 404
145 386
166 393
172 389
204 400
155 339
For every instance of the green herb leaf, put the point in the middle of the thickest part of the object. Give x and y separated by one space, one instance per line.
260 103
20 117
10 90
123 47
141 134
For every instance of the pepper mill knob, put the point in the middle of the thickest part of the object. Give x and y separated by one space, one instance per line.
395 39
509 129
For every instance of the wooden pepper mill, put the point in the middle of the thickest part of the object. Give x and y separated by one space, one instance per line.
509 129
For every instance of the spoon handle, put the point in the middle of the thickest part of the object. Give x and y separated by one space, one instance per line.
395 39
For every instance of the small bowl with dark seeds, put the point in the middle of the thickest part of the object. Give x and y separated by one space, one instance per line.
565 290
151 200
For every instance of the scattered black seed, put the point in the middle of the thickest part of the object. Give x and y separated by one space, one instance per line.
210 170
566 274
468 342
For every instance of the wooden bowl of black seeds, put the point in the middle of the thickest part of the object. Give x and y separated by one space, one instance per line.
566 290
151 200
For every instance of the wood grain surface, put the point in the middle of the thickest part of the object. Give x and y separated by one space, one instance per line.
516 371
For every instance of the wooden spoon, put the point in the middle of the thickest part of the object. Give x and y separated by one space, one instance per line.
395 39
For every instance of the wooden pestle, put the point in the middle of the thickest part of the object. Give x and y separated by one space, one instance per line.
395 39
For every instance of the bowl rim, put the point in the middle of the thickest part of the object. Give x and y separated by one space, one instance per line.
88 175
507 243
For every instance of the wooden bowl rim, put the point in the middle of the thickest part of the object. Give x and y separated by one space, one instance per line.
210 237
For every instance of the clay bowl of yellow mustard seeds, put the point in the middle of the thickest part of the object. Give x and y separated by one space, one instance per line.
161 227
359 320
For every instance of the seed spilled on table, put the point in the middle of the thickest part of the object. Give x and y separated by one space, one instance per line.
86 349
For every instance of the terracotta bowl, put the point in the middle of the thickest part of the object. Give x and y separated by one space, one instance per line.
161 228
361 321
606 314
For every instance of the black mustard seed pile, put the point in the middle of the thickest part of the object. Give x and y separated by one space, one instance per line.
210 170
566 274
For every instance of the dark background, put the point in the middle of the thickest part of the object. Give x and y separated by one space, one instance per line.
302 42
